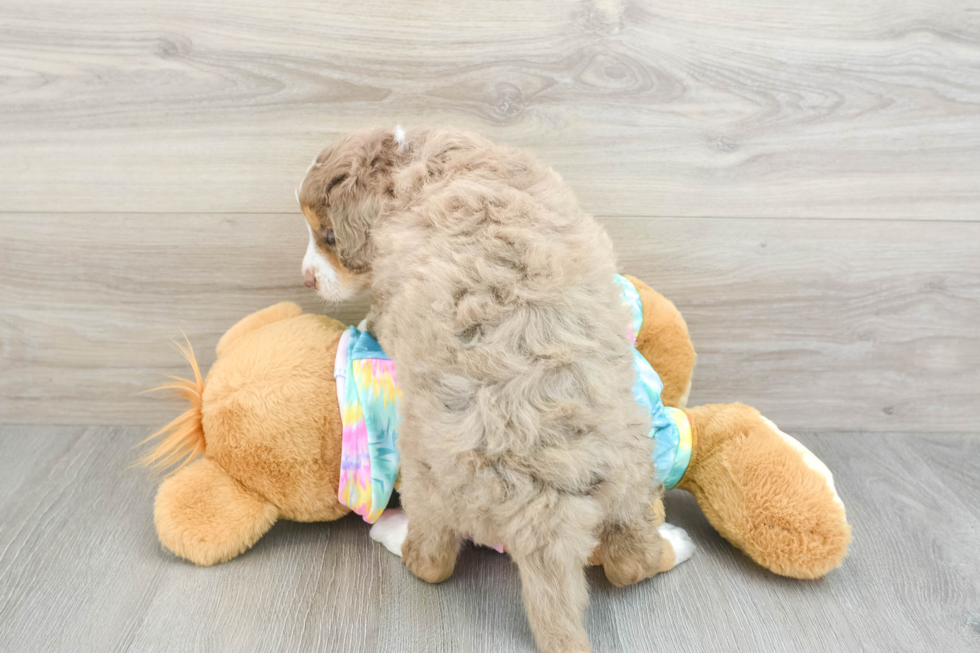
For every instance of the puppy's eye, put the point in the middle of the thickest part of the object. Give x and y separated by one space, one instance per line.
330 238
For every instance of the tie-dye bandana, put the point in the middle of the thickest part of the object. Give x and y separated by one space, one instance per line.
670 427
367 390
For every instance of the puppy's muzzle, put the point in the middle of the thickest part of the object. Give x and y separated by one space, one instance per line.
309 278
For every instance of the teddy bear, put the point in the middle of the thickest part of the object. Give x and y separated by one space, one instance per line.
297 420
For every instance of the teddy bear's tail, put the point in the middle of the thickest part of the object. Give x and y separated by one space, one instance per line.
183 438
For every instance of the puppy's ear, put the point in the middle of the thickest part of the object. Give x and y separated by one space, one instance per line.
370 179
379 152
353 231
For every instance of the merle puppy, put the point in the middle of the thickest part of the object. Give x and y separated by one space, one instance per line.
494 294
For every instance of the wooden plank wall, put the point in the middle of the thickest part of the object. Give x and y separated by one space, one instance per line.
803 179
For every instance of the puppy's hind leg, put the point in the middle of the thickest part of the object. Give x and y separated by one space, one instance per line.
555 589
430 547
632 547
429 550
634 551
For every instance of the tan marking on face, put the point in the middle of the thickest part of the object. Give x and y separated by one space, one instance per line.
342 277
312 218
346 276
328 252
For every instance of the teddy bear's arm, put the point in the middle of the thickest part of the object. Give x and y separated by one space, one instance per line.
665 342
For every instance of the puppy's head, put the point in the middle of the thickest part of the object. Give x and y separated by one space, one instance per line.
342 198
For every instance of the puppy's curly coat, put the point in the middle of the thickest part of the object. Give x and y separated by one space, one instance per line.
494 294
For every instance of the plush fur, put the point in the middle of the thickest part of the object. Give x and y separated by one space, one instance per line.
494 295
667 344
763 493
271 451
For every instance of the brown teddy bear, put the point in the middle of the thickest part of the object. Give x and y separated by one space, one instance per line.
268 437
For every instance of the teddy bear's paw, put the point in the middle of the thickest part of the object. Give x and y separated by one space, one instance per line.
391 530
679 539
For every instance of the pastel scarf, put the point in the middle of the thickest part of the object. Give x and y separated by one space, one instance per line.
670 427
367 390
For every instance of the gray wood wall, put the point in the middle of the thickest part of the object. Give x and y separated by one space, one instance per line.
803 179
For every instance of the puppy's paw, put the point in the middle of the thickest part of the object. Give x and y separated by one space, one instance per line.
391 530
680 541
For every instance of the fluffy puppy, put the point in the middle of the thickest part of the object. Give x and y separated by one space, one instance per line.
494 294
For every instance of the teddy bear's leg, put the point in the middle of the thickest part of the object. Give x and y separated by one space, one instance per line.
390 530
205 516
257 320
764 492
665 342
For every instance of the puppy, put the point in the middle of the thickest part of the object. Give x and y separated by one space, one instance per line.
494 294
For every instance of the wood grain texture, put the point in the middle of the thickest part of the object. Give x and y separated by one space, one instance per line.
81 570
755 108
820 324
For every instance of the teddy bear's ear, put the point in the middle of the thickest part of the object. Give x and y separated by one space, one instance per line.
204 515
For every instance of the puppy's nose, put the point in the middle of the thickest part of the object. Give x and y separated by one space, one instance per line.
309 278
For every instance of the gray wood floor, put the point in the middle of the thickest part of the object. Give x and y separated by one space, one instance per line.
81 569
